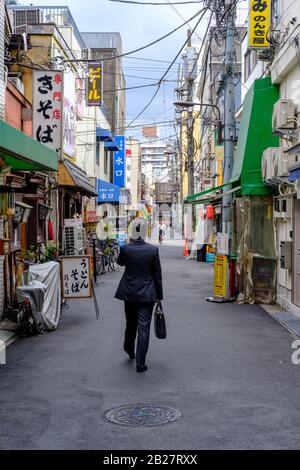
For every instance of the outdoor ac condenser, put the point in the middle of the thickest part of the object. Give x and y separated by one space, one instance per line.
283 119
281 163
74 239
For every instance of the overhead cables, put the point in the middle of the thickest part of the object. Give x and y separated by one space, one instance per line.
201 13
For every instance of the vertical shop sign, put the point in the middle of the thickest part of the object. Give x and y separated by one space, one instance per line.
259 24
47 108
94 84
119 161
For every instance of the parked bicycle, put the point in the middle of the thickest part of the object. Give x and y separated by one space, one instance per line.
107 253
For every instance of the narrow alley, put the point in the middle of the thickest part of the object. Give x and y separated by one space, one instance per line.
226 367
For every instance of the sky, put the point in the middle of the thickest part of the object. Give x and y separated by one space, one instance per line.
139 25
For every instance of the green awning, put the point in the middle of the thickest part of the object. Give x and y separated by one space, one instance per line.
255 137
195 197
199 199
23 153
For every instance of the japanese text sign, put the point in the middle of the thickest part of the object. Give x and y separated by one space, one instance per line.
119 161
94 85
220 276
47 108
259 23
76 277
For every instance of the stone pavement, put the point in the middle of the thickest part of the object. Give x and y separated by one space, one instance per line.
227 368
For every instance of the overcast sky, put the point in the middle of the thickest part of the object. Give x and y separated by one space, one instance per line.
138 25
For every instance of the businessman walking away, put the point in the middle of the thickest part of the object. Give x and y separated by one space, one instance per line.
139 288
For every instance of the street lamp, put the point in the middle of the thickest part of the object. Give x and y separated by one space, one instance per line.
189 104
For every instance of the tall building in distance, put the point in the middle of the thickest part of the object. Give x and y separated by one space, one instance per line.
154 162
154 159
134 170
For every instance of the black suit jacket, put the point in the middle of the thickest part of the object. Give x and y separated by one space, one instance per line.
142 279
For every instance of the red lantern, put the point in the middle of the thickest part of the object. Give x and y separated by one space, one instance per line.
210 212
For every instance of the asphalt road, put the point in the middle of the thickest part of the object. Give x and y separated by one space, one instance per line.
226 367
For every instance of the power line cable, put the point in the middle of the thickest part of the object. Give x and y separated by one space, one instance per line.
201 13
139 48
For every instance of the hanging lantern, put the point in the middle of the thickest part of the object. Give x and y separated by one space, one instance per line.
210 212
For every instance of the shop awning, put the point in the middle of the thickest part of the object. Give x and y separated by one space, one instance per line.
104 135
255 136
72 177
111 146
21 152
108 192
197 196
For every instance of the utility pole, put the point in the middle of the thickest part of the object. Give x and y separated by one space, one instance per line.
229 118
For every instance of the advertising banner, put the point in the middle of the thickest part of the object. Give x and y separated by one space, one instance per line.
94 84
119 161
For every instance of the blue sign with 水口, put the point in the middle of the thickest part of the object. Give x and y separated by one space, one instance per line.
119 161
108 192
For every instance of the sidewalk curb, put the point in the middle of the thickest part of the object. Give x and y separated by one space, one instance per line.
288 320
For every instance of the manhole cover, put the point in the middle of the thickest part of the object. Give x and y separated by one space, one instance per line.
143 415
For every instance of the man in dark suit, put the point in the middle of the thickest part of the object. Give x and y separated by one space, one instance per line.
139 288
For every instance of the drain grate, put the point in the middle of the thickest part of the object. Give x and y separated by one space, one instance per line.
143 415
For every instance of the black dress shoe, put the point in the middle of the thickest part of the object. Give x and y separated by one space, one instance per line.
140 369
130 354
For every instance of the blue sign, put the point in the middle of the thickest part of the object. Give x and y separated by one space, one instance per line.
119 161
108 192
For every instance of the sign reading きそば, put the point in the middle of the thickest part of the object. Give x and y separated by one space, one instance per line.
76 277
47 108
259 24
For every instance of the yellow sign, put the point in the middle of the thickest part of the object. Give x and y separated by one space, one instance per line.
220 280
94 85
259 24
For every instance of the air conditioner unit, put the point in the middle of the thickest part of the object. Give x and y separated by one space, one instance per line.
17 82
281 163
74 238
293 160
283 119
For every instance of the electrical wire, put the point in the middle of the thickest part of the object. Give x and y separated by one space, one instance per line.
139 48
201 13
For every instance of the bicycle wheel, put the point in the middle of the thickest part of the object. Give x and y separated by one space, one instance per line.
113 259
100 268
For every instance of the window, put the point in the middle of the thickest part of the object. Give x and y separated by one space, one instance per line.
250 61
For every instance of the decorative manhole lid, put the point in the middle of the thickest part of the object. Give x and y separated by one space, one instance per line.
143 415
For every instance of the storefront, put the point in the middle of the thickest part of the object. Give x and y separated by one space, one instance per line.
252 249
24 166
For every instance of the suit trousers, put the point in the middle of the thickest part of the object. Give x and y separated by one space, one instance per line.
138 322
